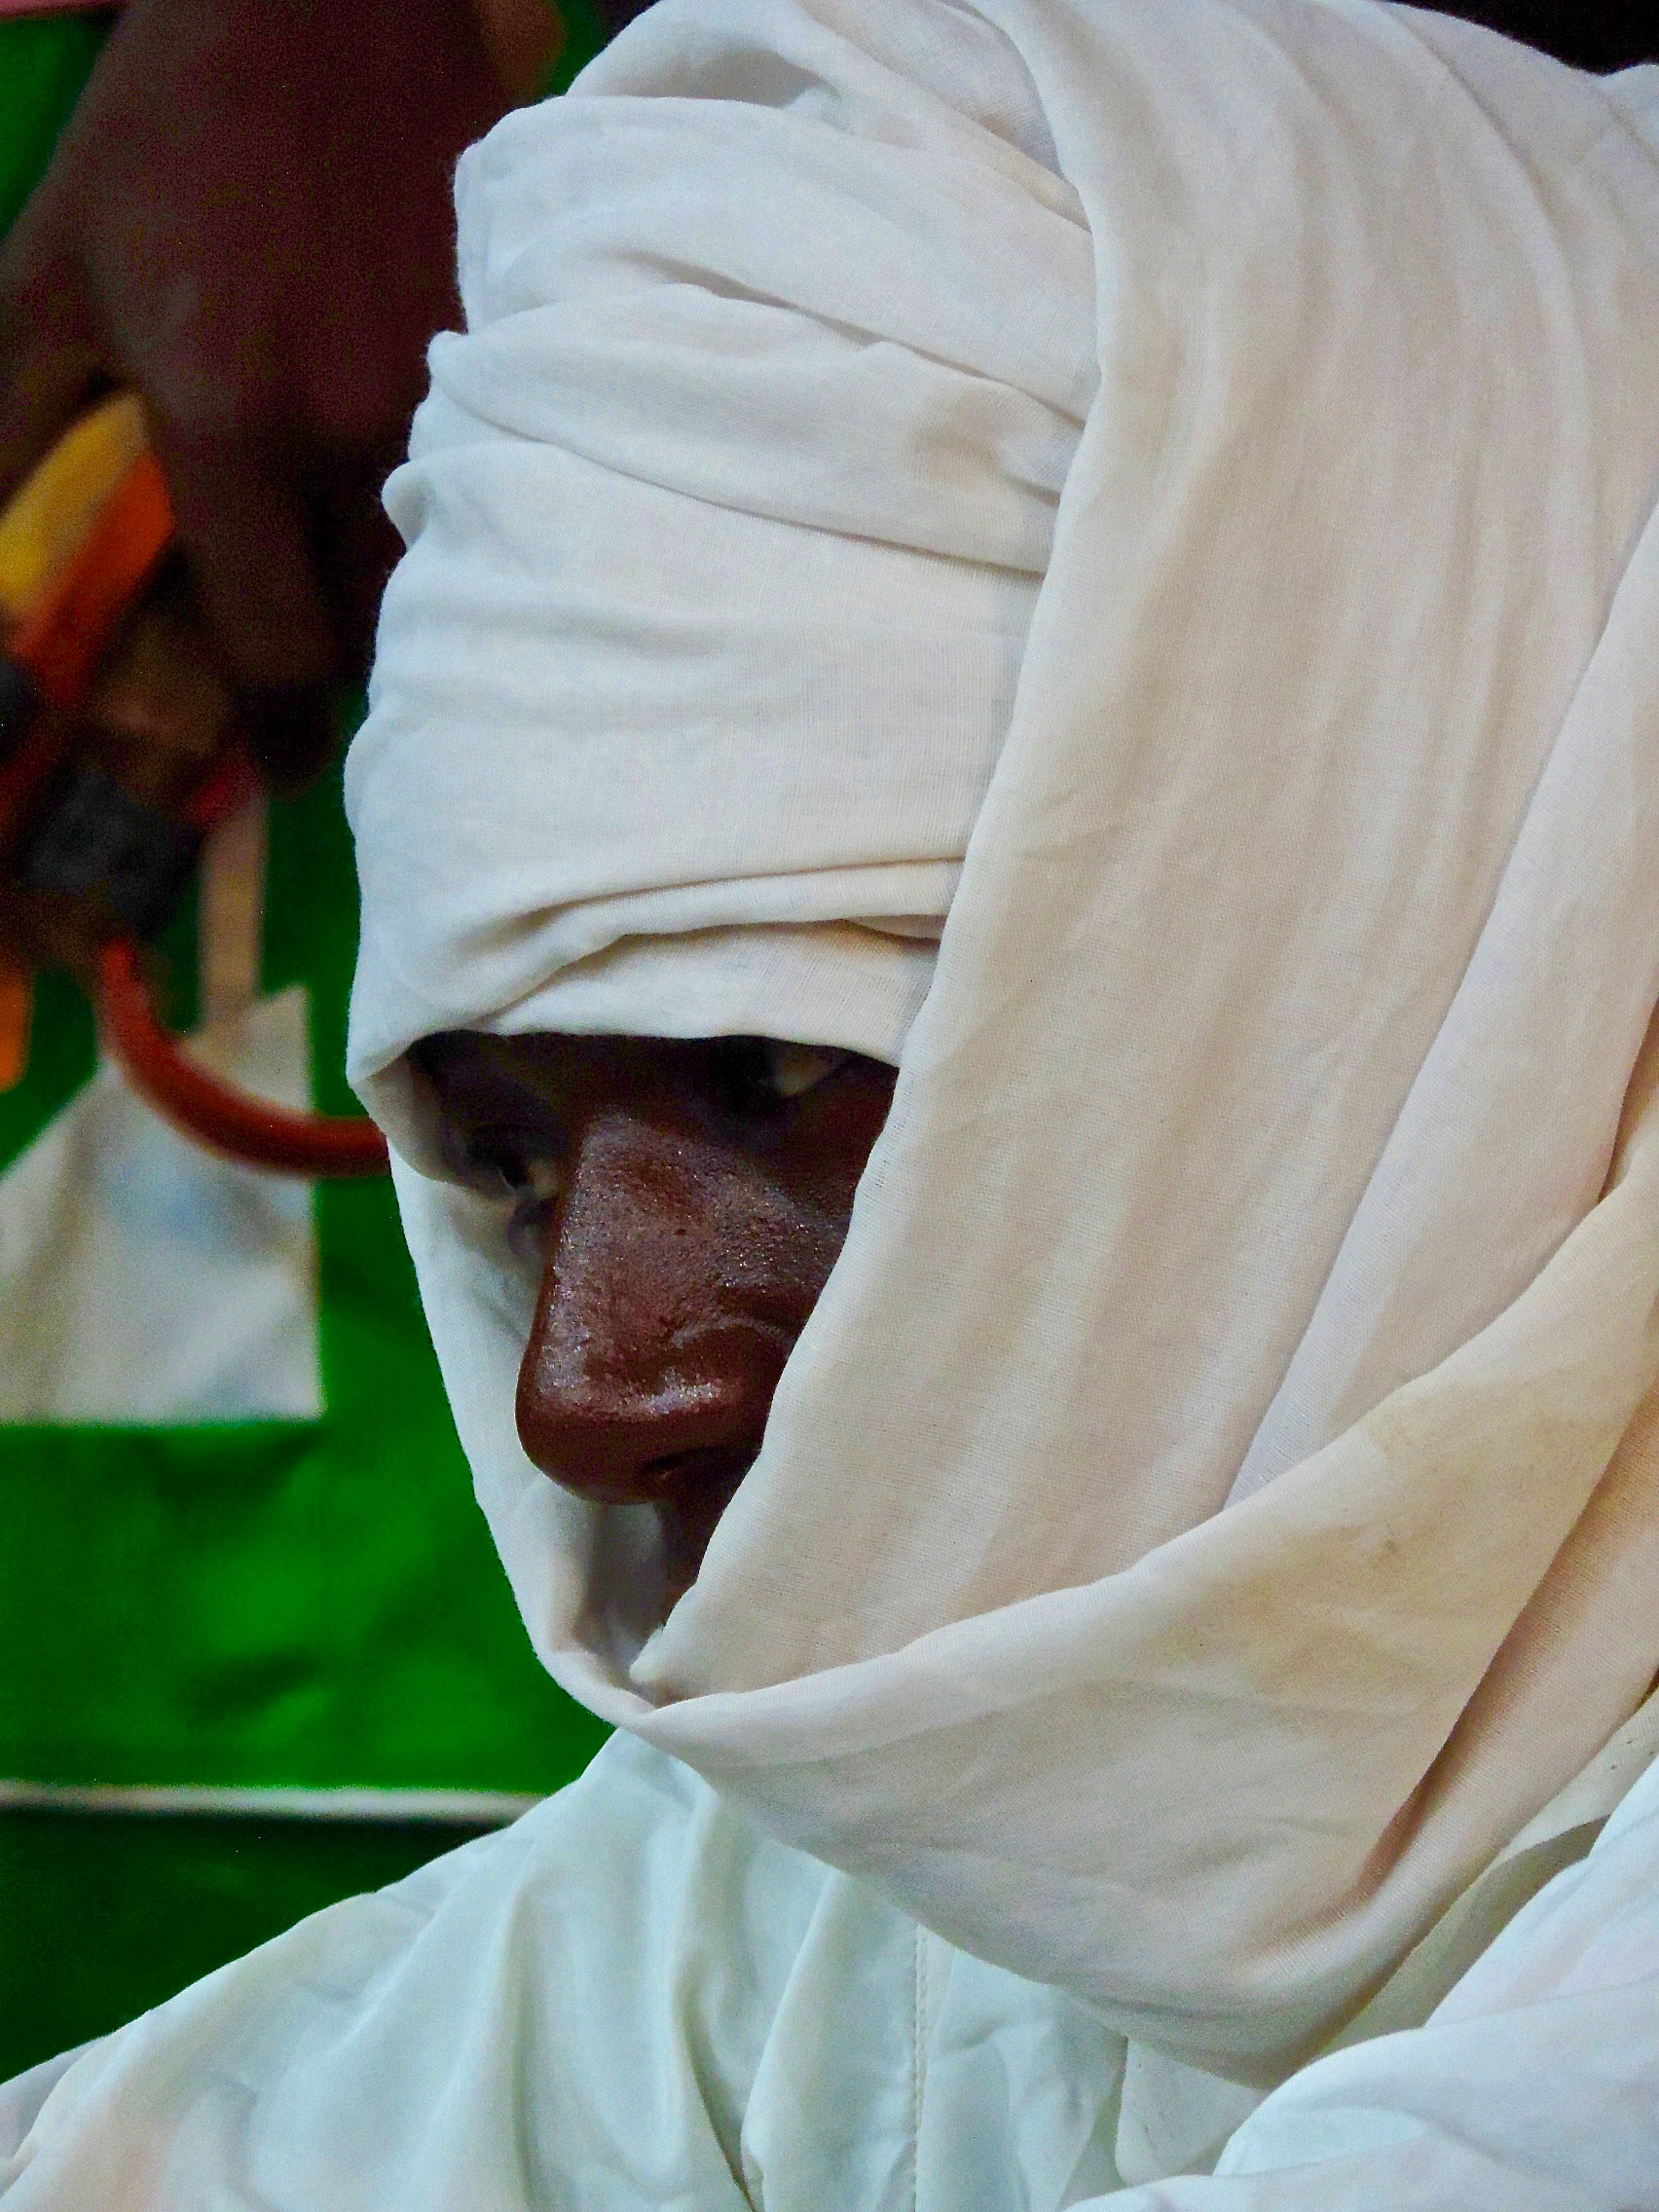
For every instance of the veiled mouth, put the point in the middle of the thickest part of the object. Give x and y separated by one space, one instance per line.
696 1490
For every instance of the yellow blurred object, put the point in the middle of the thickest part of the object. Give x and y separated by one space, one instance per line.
50 519
16 1006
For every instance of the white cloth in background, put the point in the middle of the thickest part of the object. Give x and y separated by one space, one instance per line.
1197 1583
143 1280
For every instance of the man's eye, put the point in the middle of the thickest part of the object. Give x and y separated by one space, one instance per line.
539 1181
793 1070
532 1184
532 1180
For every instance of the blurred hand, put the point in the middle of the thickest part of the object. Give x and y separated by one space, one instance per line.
248 220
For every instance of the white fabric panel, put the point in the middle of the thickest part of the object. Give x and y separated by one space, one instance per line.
144 1279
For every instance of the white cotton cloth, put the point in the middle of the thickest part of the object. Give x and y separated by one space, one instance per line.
1215 1502
1105 552
635 1998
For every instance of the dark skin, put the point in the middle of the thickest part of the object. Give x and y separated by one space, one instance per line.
249 221
685 1211
229 227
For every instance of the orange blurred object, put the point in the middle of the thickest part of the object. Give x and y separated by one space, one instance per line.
63 636
17 1010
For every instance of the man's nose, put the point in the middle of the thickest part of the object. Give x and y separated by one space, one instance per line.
641 1375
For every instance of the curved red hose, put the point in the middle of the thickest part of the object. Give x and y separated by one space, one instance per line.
231 1121
57 644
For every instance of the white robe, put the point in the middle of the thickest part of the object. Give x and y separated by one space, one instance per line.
634 1998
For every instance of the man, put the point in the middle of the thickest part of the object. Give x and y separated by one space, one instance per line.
1185 1592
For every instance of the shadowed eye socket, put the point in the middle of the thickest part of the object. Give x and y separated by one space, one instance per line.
527 1182
526 1179
793 1070
540 1182
760 1078
505 1166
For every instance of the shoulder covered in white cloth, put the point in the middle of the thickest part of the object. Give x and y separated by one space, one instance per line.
675 2010
1533 2085
630 1999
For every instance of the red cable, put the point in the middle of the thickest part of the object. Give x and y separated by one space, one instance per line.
231 1121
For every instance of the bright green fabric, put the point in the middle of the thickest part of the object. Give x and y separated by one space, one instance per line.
105 1917
584 36
42 65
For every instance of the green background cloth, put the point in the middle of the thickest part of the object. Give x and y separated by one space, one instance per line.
296 1603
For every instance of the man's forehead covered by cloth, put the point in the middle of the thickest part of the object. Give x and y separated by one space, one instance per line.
1037 470
751 536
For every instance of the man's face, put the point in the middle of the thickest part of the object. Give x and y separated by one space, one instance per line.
684 1202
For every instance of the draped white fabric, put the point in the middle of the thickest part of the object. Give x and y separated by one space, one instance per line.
635 1998
1103 550
1212 1507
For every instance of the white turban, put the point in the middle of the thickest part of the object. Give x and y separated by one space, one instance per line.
1169 485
